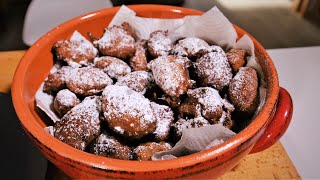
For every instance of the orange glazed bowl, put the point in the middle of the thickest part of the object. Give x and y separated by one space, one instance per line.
268 126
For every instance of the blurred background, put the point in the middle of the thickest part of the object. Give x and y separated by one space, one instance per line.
276 23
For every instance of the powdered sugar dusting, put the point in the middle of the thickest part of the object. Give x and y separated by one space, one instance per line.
164 116
139 81
112 34
160 44
66 97
114 67
214 67
243 83
189 46
170 76
183 124
208 97
81 124
121 103
88 80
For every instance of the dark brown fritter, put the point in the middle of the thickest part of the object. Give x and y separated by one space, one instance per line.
159 44
138 62
64 101
243 90
81 125
127 112
108 146
171 74
88 81
212 69
74 53
116 41
57 80
236 58
114 67
145 151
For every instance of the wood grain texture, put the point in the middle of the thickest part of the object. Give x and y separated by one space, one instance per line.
273 163
8 63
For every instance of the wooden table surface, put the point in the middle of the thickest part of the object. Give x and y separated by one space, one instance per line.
273 163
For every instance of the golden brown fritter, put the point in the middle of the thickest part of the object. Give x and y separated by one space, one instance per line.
189 47
81 125
75 53
108 146
243 90
236 58
127 112
203 101
116 41
171 74
212 69
145 151
64 101
159 44
138 62
164 116
88 81
57 80
114 67
139 81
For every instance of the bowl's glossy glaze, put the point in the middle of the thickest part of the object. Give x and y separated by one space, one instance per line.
37 62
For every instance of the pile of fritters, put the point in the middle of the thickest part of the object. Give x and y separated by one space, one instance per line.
125 98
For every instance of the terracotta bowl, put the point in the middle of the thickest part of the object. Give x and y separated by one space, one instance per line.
264 131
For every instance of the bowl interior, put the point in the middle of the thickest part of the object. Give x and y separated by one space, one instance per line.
35 65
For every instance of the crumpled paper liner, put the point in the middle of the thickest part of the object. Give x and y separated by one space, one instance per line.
195 140
212 27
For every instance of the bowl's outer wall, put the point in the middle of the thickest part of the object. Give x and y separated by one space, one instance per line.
35 66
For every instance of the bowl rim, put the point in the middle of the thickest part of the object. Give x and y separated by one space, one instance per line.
71 154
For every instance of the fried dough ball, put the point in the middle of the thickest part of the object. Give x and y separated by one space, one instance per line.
243 90
108 146
88 81
127 112
81 125
138 61
189 47
145 151
138 81
236 58
116 41
203 101
57 80
75 53
114 67
164 117
159 44
171 74
212 69
64 101
183 124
